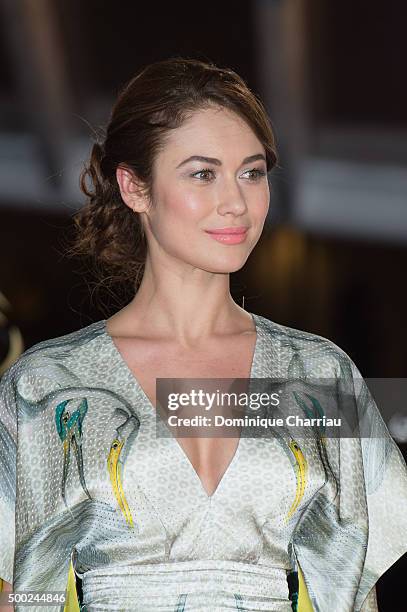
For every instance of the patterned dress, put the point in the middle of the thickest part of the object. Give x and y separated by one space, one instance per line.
84 478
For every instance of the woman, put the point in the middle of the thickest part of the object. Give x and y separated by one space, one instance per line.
178 196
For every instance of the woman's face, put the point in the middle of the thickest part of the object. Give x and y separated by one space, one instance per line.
193 197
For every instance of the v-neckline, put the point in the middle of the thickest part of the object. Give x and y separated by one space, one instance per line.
151 408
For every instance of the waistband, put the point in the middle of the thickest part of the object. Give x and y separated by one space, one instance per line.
192 576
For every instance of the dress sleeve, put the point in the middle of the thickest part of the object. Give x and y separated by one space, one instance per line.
385 476
8 446
355 526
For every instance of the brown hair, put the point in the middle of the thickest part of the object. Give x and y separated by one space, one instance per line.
158 99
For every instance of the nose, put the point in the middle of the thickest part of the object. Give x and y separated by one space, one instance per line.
231 198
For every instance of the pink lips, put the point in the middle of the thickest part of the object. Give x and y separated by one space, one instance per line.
229 235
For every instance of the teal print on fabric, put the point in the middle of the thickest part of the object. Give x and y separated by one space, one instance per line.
69 427
239 602
312 413
180 606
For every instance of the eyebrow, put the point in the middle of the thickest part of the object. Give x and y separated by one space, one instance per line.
217 162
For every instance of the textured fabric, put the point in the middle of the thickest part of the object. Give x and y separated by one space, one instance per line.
96 485
304 603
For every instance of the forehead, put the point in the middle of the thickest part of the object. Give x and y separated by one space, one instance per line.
211 130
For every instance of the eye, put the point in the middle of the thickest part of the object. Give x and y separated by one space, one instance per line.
257 174
203 171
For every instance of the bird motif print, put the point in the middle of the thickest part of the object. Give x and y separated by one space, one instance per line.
69 428
124 433
298 463
313 412
114 468
316 411
300 473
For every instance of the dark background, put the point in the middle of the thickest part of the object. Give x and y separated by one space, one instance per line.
333 256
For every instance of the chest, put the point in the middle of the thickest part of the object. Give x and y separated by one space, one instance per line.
148 361
209 456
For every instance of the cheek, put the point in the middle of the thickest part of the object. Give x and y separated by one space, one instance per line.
259 207
182 210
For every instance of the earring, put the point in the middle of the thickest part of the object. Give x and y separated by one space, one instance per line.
243 303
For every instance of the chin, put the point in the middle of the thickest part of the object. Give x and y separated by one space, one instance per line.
224 265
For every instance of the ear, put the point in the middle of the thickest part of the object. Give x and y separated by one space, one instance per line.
131 189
